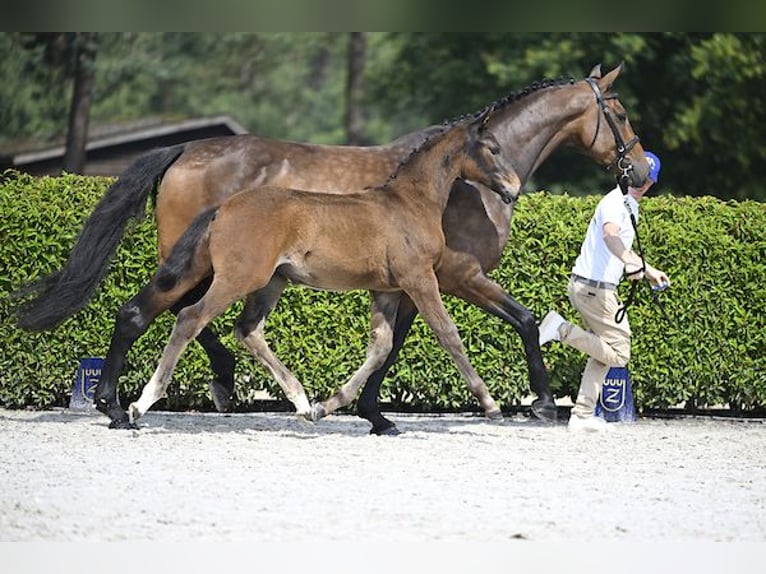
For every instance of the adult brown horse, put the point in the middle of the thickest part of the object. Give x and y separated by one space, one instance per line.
529 125
386 239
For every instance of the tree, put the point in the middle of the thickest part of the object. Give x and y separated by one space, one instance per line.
84 56
354 121
51 59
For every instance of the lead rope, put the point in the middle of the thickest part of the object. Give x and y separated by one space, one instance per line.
620 314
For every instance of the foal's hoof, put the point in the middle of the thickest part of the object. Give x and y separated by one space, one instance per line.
544 410
223 398
386 430
316 413
133 413
495 416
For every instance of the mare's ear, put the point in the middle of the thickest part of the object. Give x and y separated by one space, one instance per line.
606 82
595 72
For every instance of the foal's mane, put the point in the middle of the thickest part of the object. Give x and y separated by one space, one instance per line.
498 105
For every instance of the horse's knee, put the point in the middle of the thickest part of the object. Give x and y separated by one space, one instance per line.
241 331
188 323
132 321
528 324
381 342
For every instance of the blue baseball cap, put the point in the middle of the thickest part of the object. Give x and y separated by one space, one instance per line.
654 165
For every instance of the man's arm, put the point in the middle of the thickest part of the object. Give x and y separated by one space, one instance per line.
614 243
630 258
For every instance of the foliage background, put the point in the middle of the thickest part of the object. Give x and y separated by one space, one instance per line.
711 353
698 100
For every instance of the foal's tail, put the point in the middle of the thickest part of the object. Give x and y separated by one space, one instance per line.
66 291
191 250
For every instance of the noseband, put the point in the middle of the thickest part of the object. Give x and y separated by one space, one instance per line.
623 149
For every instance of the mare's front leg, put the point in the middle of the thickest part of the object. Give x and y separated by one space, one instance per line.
383 315
250 331
367 406
424 292
467 281
222 361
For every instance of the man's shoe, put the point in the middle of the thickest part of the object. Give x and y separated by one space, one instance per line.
586 424
549 328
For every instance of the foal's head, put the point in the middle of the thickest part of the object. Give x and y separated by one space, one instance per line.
485 162
465 149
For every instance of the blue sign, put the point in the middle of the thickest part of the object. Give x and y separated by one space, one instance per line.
85 382
616 401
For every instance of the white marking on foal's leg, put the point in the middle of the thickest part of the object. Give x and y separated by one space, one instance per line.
157 386
302 406
153 391
291 386
384 308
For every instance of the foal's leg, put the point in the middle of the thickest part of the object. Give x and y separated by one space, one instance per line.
249 330
424 292
191 320
367 406
383 314
222 361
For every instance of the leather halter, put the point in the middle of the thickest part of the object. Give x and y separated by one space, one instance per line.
623 148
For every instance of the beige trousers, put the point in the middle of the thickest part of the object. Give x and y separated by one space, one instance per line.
606 342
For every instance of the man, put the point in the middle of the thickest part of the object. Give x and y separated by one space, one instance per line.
606 253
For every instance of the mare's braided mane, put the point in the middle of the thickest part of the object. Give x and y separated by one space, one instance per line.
498 104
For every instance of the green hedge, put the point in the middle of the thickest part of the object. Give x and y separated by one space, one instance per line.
711 353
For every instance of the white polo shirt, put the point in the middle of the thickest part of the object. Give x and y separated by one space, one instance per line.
595 260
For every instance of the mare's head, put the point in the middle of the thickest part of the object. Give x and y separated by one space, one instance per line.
485 161
604 133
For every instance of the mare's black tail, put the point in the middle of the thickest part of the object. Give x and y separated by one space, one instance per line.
66 291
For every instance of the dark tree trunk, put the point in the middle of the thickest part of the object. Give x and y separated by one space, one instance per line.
79 112
354 89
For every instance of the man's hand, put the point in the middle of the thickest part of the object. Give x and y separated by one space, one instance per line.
657 277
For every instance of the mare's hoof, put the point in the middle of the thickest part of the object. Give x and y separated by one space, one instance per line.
495 416
544 410
388 430
123 424
223 398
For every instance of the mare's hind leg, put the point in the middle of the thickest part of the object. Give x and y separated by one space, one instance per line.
367 406
191 320
383 315
249 330
222 361
424 292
